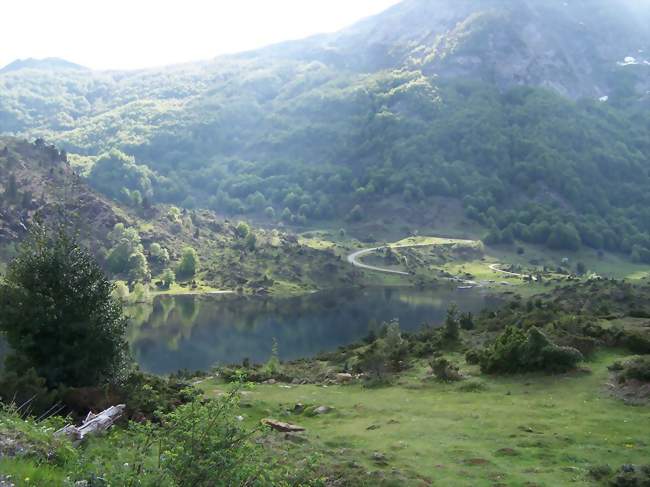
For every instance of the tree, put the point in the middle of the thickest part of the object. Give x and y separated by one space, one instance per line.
168 278
467 321
356 214
250 241
58 312
158 253
127 253
243 229
11 192
452 324
189 263
564 237
117 175
138 267
286 215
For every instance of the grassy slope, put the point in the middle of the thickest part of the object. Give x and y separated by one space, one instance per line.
557 427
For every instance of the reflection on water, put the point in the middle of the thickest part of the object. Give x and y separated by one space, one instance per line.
196 332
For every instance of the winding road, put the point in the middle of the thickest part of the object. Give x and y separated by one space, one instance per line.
495 268
354 257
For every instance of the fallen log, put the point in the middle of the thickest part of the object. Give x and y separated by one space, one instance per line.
282 427
93 424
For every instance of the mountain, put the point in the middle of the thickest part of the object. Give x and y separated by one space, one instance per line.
572 47
529 118
51 64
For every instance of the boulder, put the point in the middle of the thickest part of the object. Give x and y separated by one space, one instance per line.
298 408
379 458
322 410
344 378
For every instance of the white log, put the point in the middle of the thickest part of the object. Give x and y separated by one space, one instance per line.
93 424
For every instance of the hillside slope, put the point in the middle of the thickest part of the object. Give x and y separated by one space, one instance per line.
38 182
533 114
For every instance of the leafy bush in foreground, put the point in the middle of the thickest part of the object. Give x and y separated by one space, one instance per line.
518 351
203 444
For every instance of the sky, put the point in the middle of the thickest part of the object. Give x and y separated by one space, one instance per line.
132 34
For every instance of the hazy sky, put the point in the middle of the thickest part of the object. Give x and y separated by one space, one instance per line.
125 34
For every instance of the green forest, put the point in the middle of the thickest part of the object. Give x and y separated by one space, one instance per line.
527 164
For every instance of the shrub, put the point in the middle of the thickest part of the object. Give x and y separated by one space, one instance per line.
452 324
631 476
373 361
637 343
396 347
637 368
203 444
273 365
445 371
518 351
473 357
189 264
24 388
467 321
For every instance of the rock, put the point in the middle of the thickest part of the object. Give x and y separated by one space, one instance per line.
296 381
322 410
270 382
282 427
344 378
299 408
379 458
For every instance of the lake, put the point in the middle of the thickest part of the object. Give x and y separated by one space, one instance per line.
197 332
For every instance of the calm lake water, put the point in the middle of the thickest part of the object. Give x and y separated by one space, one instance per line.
197 332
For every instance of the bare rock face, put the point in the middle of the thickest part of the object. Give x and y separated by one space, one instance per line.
577 48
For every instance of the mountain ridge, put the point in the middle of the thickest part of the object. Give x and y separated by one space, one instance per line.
50 63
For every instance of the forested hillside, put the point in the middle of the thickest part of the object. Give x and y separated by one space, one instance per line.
159 243
533 114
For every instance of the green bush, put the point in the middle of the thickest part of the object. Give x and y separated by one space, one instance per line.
631 476
637 368
637 343
445 371
518 351
203 444
473 357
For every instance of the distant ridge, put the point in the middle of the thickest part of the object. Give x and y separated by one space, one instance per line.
49 63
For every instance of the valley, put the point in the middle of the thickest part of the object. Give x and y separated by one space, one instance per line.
411 251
